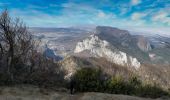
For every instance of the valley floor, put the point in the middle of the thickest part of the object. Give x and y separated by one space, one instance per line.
34 93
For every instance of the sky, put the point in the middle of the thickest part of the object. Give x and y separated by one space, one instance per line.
65 13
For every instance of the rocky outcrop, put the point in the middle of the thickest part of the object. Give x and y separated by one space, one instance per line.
143 44
101 48
111 31
123 41
73 63
49 53
70 66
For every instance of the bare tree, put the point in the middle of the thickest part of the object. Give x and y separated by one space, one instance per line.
16 43
19 60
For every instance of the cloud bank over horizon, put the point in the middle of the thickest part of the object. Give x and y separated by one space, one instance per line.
65 13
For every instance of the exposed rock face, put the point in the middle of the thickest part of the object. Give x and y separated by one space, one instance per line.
101 48
49 53
143 44
62 42
73 63
70 66
123 41
113 32
114 36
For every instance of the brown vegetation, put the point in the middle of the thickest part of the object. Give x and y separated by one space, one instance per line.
19 60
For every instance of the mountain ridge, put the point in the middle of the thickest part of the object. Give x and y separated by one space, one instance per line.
101 48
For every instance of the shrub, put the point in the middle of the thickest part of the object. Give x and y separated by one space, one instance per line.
133 85
88 79
134 81
117 85
151 91
91 80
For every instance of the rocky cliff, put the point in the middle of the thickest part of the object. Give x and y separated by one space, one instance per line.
143 44
102 48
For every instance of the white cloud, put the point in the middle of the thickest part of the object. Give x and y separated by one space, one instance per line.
101 14
68 5
75 14
36 7
124 10
137 16
162 17
54 5
135 2
36 18
159 16
163 31
68 18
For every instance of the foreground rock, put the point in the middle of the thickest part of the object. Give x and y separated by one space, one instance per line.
34 93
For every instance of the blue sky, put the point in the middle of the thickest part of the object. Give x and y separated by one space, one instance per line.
117 13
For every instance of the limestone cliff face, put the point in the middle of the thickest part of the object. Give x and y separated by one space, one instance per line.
143 44
102 48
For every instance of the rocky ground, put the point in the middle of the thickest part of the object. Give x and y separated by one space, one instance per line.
34 93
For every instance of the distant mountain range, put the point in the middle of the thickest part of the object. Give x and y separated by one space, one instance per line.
146 49
111 49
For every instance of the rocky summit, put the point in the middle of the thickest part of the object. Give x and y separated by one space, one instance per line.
102 48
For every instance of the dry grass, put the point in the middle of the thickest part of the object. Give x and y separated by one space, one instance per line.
35 93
